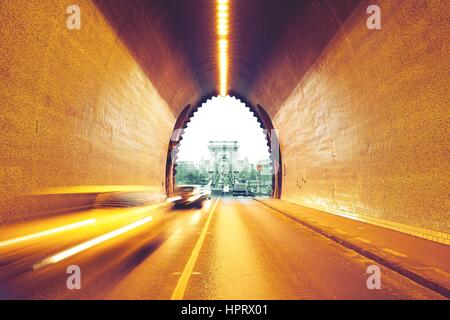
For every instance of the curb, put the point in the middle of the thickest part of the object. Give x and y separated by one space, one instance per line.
371 253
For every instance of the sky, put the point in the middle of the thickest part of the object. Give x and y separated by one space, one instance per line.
223 119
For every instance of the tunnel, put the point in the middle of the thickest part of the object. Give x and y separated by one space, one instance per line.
361 113
356 118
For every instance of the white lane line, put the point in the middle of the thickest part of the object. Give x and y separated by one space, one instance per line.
89 244
363 240
48 232
182 283
395 253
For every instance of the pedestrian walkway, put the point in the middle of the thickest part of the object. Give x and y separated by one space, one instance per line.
424 261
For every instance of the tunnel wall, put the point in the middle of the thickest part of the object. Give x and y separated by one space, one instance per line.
364 134
78 115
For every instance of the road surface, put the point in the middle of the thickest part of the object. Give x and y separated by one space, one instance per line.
230 249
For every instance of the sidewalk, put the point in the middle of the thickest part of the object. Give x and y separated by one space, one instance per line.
423 261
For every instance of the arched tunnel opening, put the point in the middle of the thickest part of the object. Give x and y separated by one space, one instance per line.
353 99
234 166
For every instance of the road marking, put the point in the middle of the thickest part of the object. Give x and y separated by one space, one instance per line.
363 240
48 232
89 244
395 253
180 289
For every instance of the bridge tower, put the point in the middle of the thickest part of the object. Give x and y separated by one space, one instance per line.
223 157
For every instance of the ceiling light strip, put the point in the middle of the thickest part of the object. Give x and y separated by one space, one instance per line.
223 29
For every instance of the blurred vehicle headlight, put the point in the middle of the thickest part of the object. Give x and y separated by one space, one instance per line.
173 199
194 198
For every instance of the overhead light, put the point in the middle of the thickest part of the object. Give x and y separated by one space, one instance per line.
223 29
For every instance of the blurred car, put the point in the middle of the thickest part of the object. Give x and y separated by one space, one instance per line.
251 193
240 189
206 192
187 195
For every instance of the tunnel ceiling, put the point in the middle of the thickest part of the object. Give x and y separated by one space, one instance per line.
266 35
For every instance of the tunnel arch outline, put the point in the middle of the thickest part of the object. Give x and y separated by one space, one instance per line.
263 119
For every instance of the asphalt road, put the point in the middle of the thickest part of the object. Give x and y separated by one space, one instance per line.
230 249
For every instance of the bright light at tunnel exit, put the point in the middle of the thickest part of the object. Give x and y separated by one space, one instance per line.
222 13
223 119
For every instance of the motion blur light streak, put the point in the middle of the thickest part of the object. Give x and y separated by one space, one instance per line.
193 198
223 31
88 244
196 217
173 199
48 232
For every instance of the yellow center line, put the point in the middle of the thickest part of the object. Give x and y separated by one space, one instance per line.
48 232
180 289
